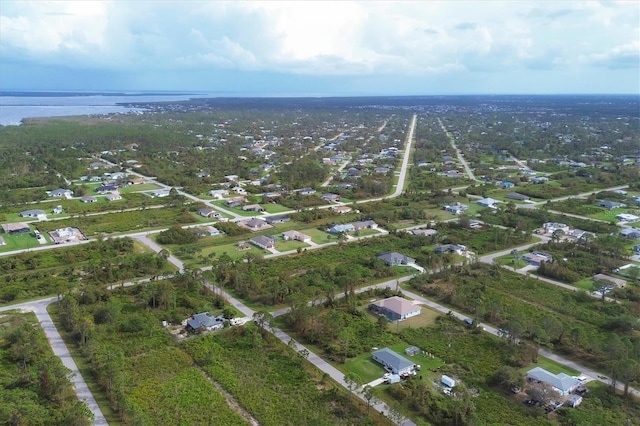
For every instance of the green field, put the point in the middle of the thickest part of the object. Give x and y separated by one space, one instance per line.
289 245
551 366
139 188
19 241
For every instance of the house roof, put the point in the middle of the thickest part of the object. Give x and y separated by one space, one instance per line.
488 201
295 234
13 227
560 381
616 281
394 258
262 240
516 196
397 305
255 223
392 359
203 319
34 212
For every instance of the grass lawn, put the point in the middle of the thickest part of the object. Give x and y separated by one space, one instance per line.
290 245
138 188
609 215
319 237
585 284
232 252
426 318
508 260
19 241
364 367
275 208
551 366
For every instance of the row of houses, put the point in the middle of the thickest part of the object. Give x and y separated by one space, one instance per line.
352 227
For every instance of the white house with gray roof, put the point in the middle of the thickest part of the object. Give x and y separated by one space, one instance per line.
392 361
561 383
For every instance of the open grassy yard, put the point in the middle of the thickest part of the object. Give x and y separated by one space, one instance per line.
275 208
508 261
551 366
290 245
609 215
18 241
319 237
426 318
232 251
138 188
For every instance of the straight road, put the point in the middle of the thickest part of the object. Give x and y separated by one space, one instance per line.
458 152
39 307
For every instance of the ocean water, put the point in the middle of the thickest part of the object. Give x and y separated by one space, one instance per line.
15 106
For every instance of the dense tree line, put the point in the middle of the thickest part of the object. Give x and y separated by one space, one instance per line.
36 387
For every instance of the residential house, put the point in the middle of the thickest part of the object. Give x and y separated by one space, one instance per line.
450 248
561 383
381 170
218 194
254 224
263 241
537 258
252 208
395 308
277 219
114 196
338 228
235 201
33 213
632 233
239 190
609 205
636 248
626 217
58 210
456 208
89 199
341 209
160 193
551 227
15 228
66 235
516 196
365 224
488 202
106 188
60 192
208 213
331 198
207 231
393 258
136 181
424 232
506 185
539 179
393 362
306 191
616 281
204 321
296 236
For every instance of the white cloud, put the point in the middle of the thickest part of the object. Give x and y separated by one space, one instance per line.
319 38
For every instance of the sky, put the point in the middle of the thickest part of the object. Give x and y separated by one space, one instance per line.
322 48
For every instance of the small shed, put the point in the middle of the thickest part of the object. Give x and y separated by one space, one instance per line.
412 350
447 381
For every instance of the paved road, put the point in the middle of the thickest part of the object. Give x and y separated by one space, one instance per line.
458 152
405 160
39 307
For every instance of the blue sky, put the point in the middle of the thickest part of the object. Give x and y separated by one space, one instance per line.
322 48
